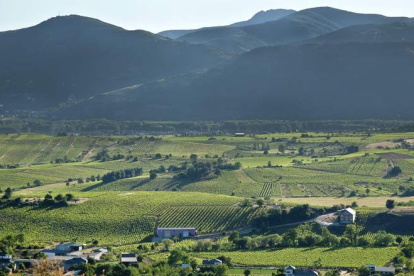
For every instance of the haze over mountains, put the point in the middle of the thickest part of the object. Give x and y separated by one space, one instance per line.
319 63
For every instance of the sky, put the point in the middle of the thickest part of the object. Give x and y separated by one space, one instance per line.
159 15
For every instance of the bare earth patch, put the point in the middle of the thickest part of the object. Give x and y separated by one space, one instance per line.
394 156
126 194
390 145
78 201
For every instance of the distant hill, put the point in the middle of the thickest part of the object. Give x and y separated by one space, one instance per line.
312 81
65 59
258 18
299 26
263 17
395 32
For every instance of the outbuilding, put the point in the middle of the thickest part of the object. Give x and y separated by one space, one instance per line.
129 259
293 271
167 233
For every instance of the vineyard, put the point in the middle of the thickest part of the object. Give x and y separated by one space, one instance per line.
305 257
125 212
121 219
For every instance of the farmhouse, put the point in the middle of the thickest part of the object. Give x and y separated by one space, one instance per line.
26 263
6 260
381 269
347 216
129 259
97 253
293 271
74 262
68 247
212 262
166 233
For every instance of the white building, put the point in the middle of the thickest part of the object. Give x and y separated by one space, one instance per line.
347 216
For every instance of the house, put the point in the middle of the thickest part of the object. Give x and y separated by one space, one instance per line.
167 233
97 253
26 263
49 252
71 263
240 134
67 247
212 262
6 260
293 271
129 259
381 269
347 216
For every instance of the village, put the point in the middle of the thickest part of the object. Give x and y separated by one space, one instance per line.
72 256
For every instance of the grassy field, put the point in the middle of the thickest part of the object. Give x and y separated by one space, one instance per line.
333 258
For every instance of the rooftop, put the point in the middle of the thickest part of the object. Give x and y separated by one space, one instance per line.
349 210
176 228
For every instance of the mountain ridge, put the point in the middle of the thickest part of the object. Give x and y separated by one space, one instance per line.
73 57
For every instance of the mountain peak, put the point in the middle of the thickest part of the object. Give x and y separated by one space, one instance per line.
76 21
264 16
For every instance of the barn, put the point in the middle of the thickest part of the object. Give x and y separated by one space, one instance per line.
167 233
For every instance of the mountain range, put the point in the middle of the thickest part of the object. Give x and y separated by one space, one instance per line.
319 63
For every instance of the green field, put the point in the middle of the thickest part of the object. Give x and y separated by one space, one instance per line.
333 258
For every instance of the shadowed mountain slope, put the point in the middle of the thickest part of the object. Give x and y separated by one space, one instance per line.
332 81
69 58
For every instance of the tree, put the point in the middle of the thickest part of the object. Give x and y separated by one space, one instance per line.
269 164
383 239
333 273
177 256
395 171
390 204
290 237
364 271
153 175
354 204
282 148
352 232
7 193
408 250
221 270
260 202
167 244
234 236
37 182
247 272
301 151
193 157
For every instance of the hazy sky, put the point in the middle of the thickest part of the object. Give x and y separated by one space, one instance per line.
158 15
